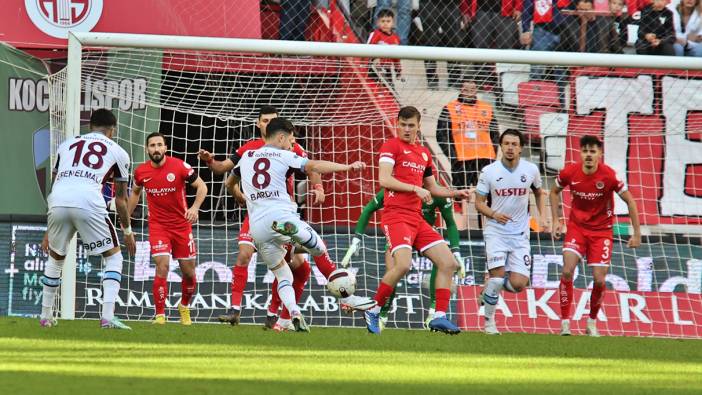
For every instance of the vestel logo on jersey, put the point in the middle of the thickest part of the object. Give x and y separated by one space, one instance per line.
511 192
57 17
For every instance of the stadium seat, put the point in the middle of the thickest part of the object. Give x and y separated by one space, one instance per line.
538 93
510 76
553 128
532 116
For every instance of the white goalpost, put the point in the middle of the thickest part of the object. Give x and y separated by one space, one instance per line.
204 93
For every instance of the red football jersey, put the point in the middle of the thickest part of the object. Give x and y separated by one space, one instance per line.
165 190
377 36
411 164
592 202
253 145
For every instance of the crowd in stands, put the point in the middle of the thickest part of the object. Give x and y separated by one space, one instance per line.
649 27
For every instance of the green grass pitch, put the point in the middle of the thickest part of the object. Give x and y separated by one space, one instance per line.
79 358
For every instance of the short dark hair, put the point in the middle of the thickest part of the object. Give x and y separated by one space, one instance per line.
156 134
384 13
266 110
102 118
279 125
590 140
513 132
409 112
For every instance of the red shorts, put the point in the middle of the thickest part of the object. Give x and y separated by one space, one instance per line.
178 242
244 236
594 246
403 231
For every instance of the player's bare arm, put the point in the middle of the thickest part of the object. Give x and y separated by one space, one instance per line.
387 181
324 167
316 188
134 198
217 166
635 239
122 210
232 185
192 213
482 207
540 199
437 190
557 218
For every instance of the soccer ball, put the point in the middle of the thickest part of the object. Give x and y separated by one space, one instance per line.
342 283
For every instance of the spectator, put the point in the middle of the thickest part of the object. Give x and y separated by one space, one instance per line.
403 14
293 19
550 33
441 23
384 35
686 22
494 23
613 30
656 33
467 134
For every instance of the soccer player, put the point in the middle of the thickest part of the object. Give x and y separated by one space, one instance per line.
83 164
429 213
589 232
406 173
506 232
273 215
301 268
164 179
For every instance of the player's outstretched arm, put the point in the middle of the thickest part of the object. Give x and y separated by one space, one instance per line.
437 190
217 166
635 239
324 167
557 218
134 198
387 181
121 205
193 212
316 187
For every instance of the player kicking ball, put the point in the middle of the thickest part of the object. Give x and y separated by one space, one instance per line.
589 232
273 215
407 174
76 204
164 178
506 231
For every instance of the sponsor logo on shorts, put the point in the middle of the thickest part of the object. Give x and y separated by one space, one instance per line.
97 244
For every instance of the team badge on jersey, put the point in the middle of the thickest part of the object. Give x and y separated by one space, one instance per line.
600 185
523 178
424 156
170 177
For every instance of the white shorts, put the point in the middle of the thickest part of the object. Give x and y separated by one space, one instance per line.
97 234
511 252
270 244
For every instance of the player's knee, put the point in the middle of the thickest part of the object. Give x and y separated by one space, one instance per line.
567 275
243 258
598 282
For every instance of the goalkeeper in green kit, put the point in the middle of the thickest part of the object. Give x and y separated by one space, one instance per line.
429 211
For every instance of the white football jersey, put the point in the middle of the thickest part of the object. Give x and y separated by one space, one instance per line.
263 175
82 166
509 194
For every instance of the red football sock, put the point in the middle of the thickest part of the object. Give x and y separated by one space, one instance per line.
188 286
383 294
442 299
275 299
300 276
160 292
240 276
596 297
565 291
325 265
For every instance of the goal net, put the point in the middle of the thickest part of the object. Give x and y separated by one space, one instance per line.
203 96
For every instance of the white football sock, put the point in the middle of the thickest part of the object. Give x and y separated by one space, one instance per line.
491 296
110 284
285 289
50 283
310 240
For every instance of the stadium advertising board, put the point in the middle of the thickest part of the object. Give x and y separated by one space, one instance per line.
643 285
